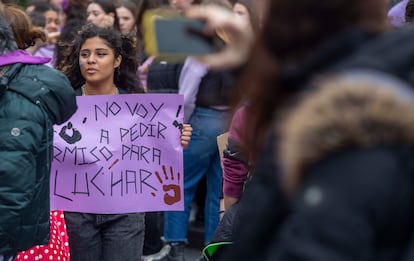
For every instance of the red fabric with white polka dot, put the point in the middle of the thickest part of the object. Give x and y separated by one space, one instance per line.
58 248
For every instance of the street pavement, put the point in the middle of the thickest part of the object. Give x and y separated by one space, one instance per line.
192 254
195 240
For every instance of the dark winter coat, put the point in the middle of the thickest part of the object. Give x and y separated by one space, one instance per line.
347 161
32 99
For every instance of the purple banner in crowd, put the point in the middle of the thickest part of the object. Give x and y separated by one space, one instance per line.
119 154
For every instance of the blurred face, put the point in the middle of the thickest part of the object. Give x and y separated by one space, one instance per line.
52 21
181 4
241 11
96 15
97 61
126 19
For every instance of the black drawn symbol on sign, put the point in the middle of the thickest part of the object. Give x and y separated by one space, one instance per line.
70 134
174 188
176 123
84 120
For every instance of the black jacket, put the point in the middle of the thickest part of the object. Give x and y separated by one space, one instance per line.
216 88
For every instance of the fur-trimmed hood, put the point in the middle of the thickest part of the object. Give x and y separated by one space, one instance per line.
344 112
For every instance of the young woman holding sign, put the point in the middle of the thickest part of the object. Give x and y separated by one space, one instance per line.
103 64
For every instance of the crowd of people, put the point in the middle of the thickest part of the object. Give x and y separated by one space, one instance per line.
317 97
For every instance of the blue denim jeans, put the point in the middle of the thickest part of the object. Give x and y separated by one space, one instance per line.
200 158
96 237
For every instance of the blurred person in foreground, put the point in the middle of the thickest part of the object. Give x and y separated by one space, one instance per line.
236 163
25 35
33 97
338 186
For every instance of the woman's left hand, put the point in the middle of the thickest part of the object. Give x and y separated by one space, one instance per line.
186 133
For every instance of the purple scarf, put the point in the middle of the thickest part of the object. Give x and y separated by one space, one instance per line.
20 56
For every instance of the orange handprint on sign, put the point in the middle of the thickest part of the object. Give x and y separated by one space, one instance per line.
175 189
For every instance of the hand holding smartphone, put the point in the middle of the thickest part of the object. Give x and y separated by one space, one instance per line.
238 32
170 36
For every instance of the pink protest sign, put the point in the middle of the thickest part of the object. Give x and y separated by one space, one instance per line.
119 154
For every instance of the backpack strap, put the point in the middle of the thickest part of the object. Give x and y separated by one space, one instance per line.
8 73
5 80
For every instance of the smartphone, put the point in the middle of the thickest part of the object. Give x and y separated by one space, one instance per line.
172 37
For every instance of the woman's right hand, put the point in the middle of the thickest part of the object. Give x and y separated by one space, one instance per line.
186 133
237 51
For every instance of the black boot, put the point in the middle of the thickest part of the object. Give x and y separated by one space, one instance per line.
176 252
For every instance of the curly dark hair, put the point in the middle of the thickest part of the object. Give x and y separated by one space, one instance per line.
121 45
